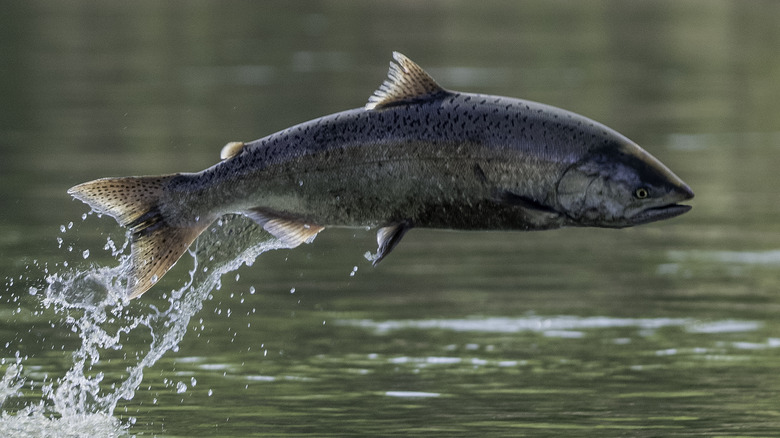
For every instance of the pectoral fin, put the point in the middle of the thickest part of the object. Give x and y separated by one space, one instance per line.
292 232
387 238
530 205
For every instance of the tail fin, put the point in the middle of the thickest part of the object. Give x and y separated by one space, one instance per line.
135 203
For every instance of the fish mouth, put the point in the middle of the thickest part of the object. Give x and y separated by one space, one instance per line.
672 209
659 213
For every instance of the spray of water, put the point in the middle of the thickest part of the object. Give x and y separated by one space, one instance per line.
92 303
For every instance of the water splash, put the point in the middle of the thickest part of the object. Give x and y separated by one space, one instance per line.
11 382
92 303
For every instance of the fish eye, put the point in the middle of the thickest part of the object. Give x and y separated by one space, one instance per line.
641 193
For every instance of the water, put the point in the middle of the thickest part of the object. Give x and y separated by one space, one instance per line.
669 329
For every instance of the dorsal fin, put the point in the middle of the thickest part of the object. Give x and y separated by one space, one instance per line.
406 81
231 149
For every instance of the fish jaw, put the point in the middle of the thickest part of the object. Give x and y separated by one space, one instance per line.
659 213
668 208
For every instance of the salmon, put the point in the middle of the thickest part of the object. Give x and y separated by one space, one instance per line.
416 155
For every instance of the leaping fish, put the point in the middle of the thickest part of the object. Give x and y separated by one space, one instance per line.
416 155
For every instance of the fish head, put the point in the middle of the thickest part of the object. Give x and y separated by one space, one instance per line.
620 185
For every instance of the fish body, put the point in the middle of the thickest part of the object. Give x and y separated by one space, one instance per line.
417 155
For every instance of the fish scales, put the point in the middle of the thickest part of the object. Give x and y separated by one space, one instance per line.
504 137
417 155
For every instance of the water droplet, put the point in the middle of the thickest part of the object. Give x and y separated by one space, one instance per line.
193 382
354 270
251 290
85 254
292 291
62 228
181 387
70 225
300 183
210 392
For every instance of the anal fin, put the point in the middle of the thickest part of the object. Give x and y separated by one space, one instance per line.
292 232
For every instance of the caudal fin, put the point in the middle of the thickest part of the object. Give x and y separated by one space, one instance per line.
135 203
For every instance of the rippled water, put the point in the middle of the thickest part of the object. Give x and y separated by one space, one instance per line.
669 329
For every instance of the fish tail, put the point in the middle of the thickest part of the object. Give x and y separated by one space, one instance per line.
137 203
